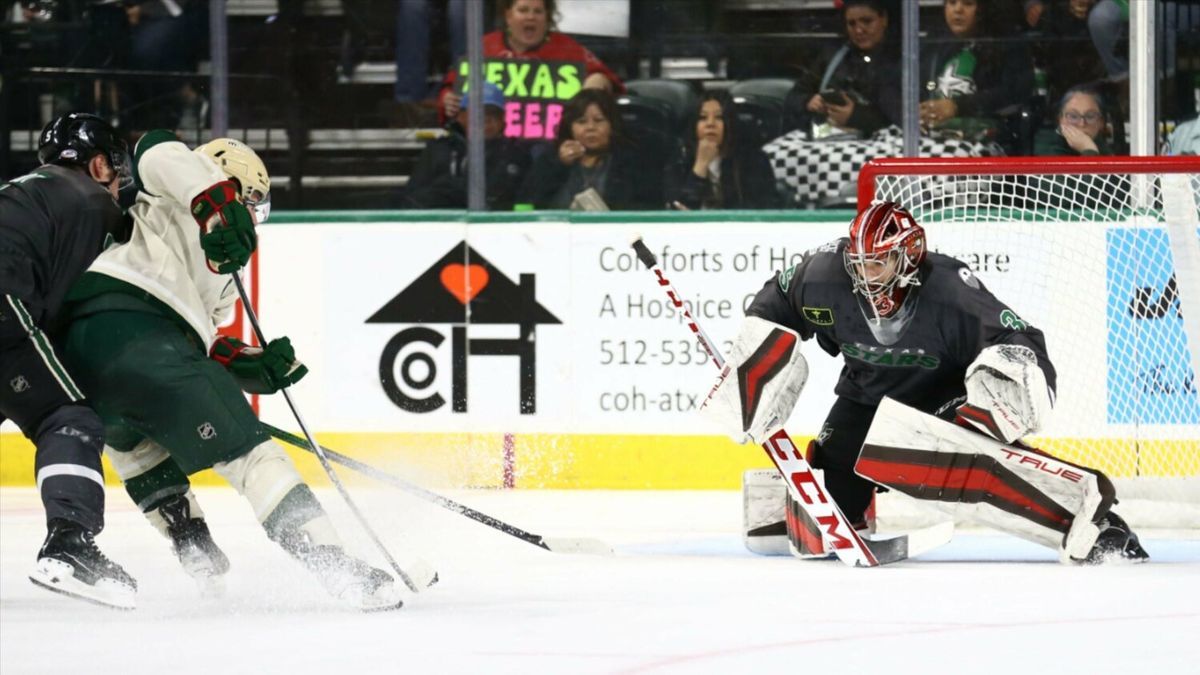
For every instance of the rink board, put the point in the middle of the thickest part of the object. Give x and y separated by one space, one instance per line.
499 350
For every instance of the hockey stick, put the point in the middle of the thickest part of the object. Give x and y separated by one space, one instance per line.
806 487
426 575
555 544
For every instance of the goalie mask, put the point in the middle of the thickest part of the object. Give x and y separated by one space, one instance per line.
884 255
240 163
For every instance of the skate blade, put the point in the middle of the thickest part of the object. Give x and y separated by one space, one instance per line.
211 587
383 608
59 578
378 603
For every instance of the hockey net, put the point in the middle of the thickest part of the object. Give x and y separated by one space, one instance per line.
1104 256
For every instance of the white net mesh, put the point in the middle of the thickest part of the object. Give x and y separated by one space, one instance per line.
1105 264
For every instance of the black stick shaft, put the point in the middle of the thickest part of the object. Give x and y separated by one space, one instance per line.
395 481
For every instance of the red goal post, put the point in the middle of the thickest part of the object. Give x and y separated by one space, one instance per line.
1102 254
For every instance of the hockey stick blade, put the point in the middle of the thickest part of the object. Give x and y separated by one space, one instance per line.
576 545
894 548
554 544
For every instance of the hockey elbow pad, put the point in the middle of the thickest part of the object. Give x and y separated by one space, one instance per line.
760 383
1007 394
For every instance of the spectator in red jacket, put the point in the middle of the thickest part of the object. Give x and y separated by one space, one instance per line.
538 68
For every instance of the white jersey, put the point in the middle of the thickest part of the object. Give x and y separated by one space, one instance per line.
163 256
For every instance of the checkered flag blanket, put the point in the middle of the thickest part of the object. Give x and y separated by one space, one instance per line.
827 171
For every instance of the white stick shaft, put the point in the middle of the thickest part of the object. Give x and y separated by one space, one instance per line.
808 488
324 461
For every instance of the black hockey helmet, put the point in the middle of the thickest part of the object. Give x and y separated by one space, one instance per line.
75 138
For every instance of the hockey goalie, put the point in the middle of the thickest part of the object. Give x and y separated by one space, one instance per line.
941 382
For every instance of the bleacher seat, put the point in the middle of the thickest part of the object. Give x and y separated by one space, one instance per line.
679 95
775 88
758 107
641 114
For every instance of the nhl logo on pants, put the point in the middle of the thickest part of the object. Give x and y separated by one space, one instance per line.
206 431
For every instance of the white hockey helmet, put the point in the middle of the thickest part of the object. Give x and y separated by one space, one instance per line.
242 164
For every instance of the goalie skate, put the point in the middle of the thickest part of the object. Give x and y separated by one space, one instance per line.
1116 543
70 563
351 580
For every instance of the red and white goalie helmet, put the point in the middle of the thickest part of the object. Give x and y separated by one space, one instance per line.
885 253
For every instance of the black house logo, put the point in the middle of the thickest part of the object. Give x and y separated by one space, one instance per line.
461 289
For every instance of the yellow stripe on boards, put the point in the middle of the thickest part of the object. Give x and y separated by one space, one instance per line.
599 461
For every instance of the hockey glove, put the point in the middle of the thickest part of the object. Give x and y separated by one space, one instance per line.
259 370
1007 395
226 228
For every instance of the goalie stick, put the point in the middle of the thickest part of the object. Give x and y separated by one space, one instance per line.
422 575
554 544
806 487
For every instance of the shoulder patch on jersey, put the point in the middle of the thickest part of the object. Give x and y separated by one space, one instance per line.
822 316
786 276
968 277
1009 319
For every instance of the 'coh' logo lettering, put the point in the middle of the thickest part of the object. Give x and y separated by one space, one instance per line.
459 290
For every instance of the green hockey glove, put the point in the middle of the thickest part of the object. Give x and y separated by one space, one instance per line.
226 227
259 370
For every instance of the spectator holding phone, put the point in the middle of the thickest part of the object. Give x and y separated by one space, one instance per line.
859 90
1082 126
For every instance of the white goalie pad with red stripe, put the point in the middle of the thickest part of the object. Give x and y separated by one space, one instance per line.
1013 488
760 383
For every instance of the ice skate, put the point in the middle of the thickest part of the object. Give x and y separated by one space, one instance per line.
351 580
193 544
1117 542
70 563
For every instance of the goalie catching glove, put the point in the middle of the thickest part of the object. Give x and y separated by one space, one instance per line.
259 370
1007 394
226 227
760 383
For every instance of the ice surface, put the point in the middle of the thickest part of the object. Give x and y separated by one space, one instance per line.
681 595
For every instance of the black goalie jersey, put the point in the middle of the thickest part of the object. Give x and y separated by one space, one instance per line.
919 355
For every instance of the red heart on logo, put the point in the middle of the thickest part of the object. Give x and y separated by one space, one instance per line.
464 281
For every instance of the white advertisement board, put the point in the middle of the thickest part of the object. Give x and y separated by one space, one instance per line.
555 327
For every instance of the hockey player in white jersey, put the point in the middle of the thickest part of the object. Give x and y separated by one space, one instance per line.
169 389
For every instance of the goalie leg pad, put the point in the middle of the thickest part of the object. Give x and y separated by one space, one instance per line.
150 475
1012 488
763 512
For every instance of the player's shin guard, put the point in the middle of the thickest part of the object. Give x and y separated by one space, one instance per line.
70 478
293 518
